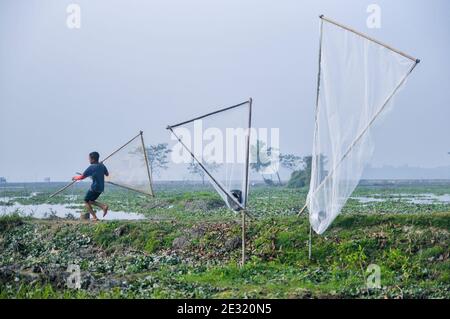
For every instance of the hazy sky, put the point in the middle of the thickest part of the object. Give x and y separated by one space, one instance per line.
144 64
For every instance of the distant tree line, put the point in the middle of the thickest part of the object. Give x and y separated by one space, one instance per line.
300 167
158 157
262 162
302 177
263 159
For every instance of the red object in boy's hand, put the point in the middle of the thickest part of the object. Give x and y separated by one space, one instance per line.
77 178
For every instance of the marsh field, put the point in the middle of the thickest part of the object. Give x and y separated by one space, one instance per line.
185 243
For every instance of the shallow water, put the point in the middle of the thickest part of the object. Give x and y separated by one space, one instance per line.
430 199
63 211
6 199
409 198
365 200
71 198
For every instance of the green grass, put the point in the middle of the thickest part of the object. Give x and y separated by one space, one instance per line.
140 259
10 221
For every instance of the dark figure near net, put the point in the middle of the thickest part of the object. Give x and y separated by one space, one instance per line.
97 171
237 194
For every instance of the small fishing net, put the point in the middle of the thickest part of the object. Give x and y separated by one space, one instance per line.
128 167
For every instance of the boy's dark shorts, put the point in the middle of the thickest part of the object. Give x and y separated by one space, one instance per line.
91 196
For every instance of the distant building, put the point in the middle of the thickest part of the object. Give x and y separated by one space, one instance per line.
2 180
47 179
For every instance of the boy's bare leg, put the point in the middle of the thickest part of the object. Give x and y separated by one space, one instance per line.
104 207
91 211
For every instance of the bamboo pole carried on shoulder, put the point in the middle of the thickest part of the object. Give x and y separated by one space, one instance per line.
62 189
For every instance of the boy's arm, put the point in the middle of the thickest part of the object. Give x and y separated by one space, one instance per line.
106 172
87 173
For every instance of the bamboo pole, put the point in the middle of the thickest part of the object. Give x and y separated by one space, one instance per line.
62 189
208 114
310 243
147 164
250 101
303 208
319 73
247 155
243 240
369 38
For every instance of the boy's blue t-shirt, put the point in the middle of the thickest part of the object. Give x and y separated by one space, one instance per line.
97 172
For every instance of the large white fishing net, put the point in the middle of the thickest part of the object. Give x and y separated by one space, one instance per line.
218 145
357 80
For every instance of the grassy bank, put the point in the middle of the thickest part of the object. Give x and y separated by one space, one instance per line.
197 258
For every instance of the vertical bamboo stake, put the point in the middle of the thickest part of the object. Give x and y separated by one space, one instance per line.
316 111
247 155
243 240
147 164
250 101
310 243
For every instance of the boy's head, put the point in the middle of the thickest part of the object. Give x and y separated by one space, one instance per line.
93 157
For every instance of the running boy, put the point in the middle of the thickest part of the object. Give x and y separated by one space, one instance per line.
97 171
